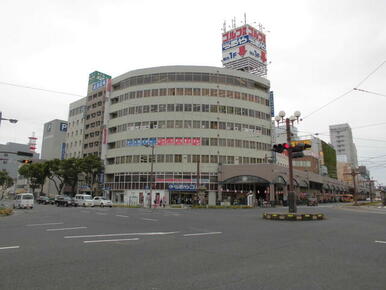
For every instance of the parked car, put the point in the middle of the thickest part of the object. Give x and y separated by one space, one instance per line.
24 200
43 200
83 200
64 200
312 201
101 201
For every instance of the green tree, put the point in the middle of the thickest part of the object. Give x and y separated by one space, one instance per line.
36 174
56 173
70 170
5 182
92 167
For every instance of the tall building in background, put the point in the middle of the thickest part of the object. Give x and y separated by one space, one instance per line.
94 113
54 138
342 140
10 161
74 138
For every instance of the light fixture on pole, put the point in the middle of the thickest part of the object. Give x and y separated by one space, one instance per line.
288 122
13 121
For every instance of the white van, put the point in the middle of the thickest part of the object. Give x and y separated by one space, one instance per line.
24 200
83 200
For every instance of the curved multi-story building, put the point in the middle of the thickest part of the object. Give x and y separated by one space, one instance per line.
193 118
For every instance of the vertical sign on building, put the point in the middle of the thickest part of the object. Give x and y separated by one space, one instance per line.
271 104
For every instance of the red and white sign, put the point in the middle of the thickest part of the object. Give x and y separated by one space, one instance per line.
196 141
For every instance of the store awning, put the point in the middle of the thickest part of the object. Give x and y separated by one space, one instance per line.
242 179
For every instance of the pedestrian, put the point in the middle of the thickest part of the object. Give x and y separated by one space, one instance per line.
160 203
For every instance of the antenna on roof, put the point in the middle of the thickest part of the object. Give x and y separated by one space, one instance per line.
245 18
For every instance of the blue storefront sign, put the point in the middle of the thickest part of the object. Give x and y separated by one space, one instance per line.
182 187
142 142
271 104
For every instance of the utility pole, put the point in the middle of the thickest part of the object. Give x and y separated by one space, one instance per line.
291 193
353 174
151 172
198 179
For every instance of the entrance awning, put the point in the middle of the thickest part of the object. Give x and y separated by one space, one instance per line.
243 179
279 180
303 183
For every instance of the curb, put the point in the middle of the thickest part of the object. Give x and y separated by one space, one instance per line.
294 216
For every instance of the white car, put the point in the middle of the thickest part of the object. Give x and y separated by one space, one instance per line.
83 200
101 201
24 200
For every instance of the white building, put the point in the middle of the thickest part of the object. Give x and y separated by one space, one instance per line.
54 134
342 140
74 137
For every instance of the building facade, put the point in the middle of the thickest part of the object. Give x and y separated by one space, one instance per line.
74 138
194 119
342 140
54 139
94 113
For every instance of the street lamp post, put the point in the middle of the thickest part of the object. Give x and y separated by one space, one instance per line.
151 172
288 122
13 121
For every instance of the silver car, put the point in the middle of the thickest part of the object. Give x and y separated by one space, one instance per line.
101 201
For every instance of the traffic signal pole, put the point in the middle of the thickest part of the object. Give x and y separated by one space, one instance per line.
291 193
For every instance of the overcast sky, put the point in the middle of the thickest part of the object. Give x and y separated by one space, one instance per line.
318 50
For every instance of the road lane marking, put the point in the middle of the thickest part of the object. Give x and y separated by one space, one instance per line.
107 241
11 247
381 242
65 229
46 224
101 213
203 234
123 234
153 220
119 215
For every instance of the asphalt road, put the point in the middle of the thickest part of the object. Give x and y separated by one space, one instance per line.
102 248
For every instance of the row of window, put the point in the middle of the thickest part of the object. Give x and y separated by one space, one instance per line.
215 78
179 158
76 111
206 108
91 145
190 92
190 124
94 96
76 133
92 134
93 115
93 124
195 141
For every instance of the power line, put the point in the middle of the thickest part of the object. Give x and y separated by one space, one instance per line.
370 92
346 93
38 89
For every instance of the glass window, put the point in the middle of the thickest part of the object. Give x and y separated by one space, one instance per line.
205 124
171 77
244 112
154 108
188 92
180 76
213 159
170 123
205 108
196 124
204 141
230 94
222 159
222 142
205 92
146 109
196 92
196 107
154 92
195 158
230 126
179 123
222 125
162 92
237 95
172 92
213 92
179 107
230 110
188 76
177 158
187 107
180 91
169 158
237 126
223 109
204 158
161 124
222 93
138 110
162 108
160 158
230 160
170 107
213 108
213 141
213 124
146 93
187 124
132 95
230 143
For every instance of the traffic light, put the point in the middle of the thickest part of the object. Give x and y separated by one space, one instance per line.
280 147
26 161
297 150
